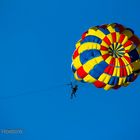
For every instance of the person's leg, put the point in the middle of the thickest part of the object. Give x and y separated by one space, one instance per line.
72 95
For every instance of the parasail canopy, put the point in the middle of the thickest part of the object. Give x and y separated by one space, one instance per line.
107 56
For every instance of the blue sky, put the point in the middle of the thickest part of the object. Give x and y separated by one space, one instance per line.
37 39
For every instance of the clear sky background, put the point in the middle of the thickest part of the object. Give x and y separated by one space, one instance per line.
37 38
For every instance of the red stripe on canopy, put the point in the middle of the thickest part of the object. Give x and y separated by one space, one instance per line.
81 72
99 84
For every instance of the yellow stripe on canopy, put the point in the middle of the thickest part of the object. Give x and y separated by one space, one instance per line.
105 78
108 59
85 46
103 52
89 79
124 40
116 72
76 62
100 34
121 80
107 87
110 29
136 65
92 31
99 59
110 38
128 33
104 44
78 44
89 65
76 77
117 37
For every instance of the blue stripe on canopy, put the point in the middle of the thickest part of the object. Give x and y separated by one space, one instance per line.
113 80
95 74
134 55
129 78
117 29
94 39
105 31
101 67
73 69
98 70
88 55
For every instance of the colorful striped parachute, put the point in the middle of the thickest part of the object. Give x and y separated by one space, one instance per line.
107 56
